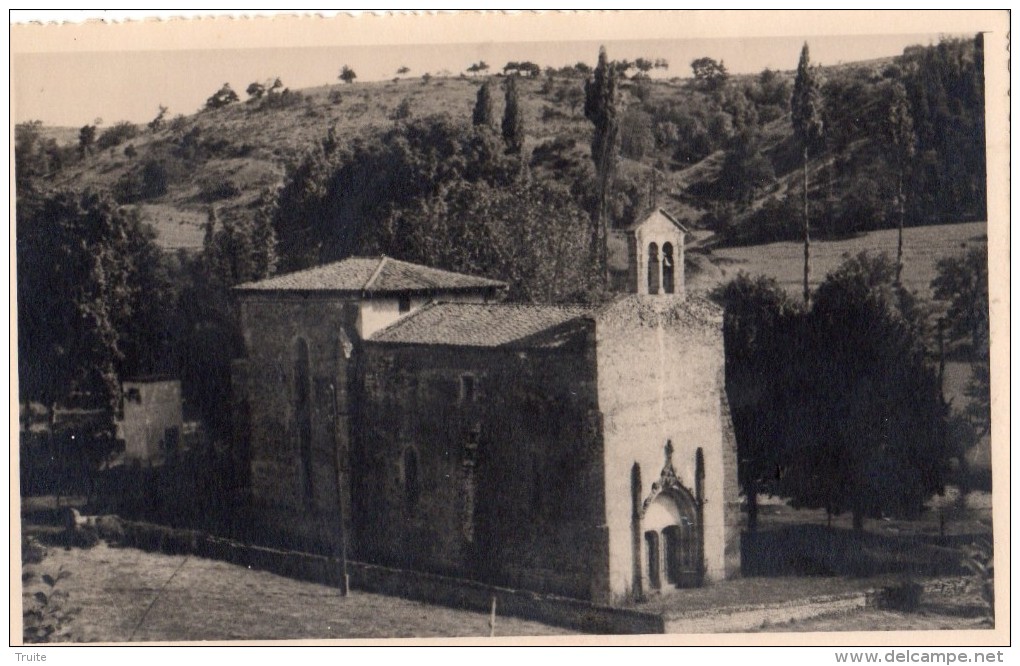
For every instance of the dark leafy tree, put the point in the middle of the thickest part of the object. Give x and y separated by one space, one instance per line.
513 118
222 97
35 157
525 68
883 447
600 107
945 86
116 135
255 90
157 123
347 75
478 67
86 140
806 108
745 171
962 283
571 95
636 137
332 203
484 113
235 249
759 322
403 110
710 74
583 69
82 278
526 233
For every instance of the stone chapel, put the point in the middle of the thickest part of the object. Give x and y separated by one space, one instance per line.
410 416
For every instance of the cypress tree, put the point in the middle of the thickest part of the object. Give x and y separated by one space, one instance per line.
806 108
513 119
484 112
600 107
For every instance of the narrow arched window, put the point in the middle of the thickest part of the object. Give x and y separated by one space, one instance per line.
653 268
668 280
303 414
412 483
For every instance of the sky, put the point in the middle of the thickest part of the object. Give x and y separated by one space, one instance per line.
70 84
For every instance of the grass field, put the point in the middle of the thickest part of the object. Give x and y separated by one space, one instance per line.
922 248
122 594
131 595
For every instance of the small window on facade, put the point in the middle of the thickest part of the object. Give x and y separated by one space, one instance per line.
467 388
404 304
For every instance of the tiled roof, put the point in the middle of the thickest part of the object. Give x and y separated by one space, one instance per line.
371 275
658 211
482 324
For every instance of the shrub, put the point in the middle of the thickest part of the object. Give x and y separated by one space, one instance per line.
116 135
402 111
282 100
905 597
178 123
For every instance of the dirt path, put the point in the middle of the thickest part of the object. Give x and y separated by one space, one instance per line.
132 595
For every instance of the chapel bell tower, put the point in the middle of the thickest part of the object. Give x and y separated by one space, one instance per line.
655 255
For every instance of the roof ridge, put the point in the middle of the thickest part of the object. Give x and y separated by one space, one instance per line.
375 273
507 304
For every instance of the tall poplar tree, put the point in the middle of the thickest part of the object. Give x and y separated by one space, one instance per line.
601 108
806 109
513 119
484 113
899 129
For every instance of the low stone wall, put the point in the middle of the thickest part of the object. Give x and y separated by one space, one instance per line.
471 595
454 592
747 618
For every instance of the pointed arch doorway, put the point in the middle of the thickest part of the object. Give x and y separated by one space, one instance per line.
672 542
672 533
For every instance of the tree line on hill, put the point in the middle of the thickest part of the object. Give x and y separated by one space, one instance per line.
904 145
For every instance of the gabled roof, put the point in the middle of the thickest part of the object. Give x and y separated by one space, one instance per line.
372 276
485 325
662 212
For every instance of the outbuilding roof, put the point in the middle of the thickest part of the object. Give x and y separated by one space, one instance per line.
372 275
485 325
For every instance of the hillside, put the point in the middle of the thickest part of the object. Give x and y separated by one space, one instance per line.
225 156
717 151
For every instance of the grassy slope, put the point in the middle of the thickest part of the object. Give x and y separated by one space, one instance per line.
922 248
278 136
